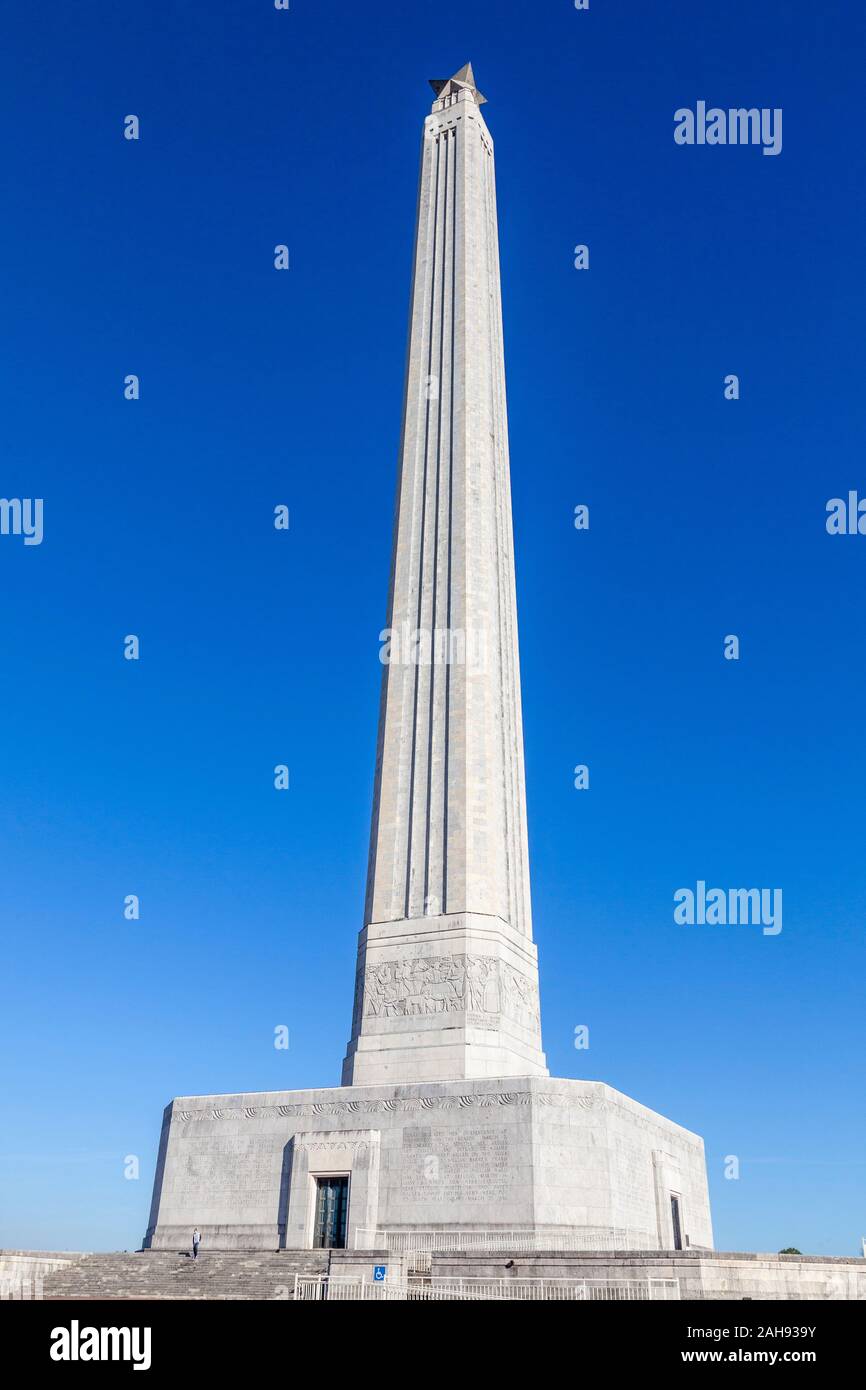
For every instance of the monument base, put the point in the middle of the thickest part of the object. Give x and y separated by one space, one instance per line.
570 1164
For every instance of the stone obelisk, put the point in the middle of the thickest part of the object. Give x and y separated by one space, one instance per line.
446 1121
447 983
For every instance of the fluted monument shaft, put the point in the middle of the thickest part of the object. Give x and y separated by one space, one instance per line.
447 976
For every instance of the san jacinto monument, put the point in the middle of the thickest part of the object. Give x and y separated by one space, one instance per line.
446 1119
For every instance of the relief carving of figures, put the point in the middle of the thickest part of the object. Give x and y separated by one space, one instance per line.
447 984
521 998
477 975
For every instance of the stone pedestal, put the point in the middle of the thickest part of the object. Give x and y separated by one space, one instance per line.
552 1158
444 998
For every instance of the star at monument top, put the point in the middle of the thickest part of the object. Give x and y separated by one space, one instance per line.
448 86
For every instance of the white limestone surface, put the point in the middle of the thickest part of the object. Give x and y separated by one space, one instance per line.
447 972
534 1154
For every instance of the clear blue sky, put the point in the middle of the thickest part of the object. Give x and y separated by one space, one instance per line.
259 387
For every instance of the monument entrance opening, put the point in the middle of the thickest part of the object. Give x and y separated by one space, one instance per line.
675 1222
332 1206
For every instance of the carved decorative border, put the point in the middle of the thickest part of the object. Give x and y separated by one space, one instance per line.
410 1105
406 1106
331 1145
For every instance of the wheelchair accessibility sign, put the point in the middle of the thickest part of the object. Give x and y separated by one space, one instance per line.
379 1273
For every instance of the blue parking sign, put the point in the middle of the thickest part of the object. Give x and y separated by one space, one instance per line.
379 1272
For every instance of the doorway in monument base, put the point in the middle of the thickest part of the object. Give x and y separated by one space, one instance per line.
676 1221
330 1187
330 1218
671 1211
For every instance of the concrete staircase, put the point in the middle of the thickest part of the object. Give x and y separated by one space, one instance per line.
149 1274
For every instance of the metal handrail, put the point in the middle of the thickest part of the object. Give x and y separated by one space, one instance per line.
354 1288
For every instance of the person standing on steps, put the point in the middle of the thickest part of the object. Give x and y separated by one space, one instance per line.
196 1242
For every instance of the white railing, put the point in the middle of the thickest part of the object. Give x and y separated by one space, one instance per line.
563 1290
346 1288
517 1242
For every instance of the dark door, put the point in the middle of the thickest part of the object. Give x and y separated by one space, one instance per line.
332 1206
675 1221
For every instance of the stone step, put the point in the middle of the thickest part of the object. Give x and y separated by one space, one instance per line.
261 1276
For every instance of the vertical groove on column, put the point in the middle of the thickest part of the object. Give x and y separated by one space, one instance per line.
412 673
418 830
386 869
505 580
431 903
450 538
506 684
